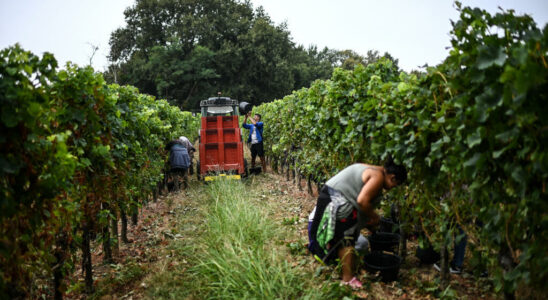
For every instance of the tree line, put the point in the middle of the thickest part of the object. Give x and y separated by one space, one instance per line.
186 51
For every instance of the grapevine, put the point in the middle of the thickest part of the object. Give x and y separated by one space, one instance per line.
471 131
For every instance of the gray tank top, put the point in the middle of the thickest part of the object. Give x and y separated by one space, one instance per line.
349 183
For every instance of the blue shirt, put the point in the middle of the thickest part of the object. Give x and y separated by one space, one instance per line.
259 127
178 157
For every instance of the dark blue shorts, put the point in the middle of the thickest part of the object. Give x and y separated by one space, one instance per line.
257 149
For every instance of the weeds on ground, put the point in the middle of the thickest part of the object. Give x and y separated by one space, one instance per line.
290 221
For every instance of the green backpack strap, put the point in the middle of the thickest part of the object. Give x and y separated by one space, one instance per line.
326 229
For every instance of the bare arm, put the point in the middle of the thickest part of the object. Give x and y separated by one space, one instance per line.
370 190
253 121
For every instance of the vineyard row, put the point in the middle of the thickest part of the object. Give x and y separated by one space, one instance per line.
76 155
472 131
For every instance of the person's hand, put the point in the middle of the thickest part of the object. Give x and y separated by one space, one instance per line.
373 223
375 220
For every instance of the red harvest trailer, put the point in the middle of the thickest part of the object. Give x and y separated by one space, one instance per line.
221 143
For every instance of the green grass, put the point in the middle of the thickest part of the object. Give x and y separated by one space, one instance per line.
240 260
234 251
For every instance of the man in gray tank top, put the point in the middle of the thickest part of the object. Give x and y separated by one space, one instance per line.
346 205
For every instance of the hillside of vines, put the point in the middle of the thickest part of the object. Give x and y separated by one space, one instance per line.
472 132
76 156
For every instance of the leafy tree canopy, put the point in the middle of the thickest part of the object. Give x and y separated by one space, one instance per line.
188 50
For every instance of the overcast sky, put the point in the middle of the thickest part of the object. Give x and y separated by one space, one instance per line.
416 32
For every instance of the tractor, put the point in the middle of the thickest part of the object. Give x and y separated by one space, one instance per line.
220 140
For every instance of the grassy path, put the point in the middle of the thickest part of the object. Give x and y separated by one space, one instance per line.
233 245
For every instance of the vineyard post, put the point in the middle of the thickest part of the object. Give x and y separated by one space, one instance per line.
114 226
61 246
298 175
86 256
309 184
287 169
107 250
123 218
293 170
155 192
444 258
134 216
402 251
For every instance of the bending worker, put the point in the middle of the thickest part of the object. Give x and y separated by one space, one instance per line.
346 204
179 160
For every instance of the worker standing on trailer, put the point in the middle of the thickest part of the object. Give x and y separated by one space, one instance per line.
346 204
255 138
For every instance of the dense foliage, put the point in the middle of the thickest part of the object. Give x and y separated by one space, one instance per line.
74 153
472 132
186 51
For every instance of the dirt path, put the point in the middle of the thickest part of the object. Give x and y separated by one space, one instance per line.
148 240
